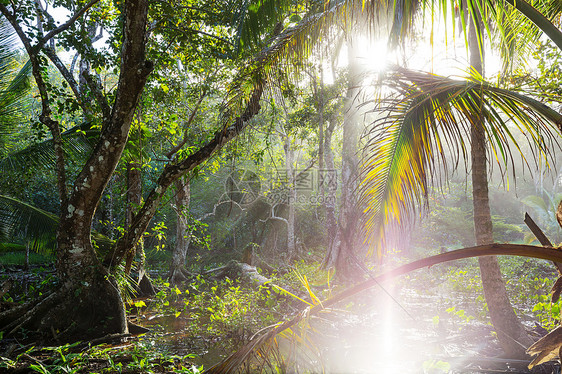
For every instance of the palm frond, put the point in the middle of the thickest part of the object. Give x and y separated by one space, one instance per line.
251 18
514 34
14 82
284 52
21 220
538 204
427 120
261 345
77 142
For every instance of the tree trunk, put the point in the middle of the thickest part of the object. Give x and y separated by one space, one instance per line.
291 197
134 199
348 215
26 260
330 187
510 332
89 303
183 235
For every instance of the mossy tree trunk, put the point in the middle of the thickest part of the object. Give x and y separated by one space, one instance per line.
88 302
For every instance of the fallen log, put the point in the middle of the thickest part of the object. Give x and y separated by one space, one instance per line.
249 275
243 271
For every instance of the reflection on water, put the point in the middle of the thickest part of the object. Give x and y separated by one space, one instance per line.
410 333
407 332
172 336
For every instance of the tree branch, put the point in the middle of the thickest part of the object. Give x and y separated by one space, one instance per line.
52 55
236 359
66 25
173 171
176 148
95 87
214 212
541 237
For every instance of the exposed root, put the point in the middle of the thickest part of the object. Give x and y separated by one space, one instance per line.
30 316
180 275
145 288
73 312
10 314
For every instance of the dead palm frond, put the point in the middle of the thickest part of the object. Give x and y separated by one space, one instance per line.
427 119
263 344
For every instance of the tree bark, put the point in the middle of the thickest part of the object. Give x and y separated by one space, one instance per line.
134 199
291 197
88 302
172 171
349 173
511 334
334 239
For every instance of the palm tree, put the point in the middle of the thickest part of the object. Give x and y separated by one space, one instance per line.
511 333
433 113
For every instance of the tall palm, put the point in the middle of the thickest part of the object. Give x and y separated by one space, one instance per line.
437 113
508 24
511 334
430 113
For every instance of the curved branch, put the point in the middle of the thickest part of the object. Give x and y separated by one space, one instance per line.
539 20
258 341
172 171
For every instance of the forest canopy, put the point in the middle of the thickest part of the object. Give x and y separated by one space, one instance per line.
243 175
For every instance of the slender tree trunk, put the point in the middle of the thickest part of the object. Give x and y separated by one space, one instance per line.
319 93
292 197
329 186
134 199
510 332
350 161
181 200
26 260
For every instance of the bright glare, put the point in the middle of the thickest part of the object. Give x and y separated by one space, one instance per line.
372 54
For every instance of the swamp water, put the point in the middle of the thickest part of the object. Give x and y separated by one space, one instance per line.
404 331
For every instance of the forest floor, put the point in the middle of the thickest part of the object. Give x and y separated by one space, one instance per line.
430 322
